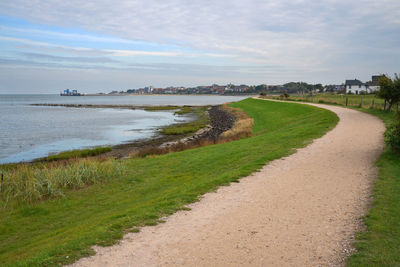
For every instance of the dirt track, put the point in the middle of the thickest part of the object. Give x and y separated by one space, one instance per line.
302 210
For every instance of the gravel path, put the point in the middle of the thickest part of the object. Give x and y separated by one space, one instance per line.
302 210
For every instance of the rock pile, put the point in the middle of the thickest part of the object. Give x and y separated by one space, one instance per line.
220 121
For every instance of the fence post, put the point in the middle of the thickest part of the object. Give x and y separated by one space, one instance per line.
1 187
373 102
361 101
384 106
347 100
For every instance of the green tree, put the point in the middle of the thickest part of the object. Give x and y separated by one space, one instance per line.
318 87
389 89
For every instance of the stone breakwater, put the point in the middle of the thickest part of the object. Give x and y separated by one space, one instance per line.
220 121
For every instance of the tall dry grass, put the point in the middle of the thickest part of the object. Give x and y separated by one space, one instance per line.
29 183
242 128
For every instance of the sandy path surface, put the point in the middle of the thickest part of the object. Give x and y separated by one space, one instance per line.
302 210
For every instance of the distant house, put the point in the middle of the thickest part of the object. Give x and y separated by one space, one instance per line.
357 87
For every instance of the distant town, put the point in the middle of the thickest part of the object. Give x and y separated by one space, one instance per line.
354 86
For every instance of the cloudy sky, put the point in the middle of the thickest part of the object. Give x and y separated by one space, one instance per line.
49 45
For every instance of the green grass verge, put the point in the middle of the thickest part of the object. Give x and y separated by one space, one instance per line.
80 153
61 230
379 245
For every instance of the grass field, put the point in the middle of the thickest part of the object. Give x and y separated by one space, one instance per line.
361 101
60 230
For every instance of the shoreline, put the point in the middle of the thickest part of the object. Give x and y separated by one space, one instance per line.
211 131
246 95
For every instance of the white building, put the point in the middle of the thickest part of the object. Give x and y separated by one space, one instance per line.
357 87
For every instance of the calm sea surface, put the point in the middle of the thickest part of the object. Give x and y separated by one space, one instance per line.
28 132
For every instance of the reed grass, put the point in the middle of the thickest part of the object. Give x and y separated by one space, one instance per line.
159 108
31 183
81 153
243 126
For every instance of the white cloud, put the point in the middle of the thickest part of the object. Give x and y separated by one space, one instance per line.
318 40
254 30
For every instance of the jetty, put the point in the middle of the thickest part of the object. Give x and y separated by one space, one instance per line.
68 92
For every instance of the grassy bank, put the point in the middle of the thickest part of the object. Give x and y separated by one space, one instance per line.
60 230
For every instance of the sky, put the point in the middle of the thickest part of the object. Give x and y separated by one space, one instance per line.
100 46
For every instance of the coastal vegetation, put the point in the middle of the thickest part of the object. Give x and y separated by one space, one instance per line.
79 153
59 230
31 183
243 126
160 108
189 127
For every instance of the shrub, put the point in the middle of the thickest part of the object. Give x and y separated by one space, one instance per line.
392 135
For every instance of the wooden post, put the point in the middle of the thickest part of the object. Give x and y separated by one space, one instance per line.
373 102
361 101
347 100
384 106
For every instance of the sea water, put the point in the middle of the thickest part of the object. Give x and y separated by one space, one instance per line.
28 132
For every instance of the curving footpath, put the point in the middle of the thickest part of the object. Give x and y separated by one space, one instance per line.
302 210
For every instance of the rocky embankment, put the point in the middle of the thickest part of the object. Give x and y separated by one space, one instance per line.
220 121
